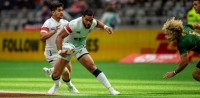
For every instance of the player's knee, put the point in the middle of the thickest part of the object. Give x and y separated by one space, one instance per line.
92 68
56 75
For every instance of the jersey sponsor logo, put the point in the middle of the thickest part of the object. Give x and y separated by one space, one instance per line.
92 44
78 32
52 28
151 58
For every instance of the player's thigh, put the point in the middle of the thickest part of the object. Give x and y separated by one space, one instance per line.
60 65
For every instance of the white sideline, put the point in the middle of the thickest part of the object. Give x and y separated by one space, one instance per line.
45 93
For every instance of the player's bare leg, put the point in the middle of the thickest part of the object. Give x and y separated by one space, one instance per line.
69 66
58 68
88 63
67 80
58 71
49 71
196 74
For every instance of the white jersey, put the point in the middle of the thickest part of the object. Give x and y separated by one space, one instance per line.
77 32
50 25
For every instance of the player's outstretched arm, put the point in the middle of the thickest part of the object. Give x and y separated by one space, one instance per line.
183 63
103 26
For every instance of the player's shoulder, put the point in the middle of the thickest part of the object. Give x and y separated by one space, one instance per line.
64 20
48 21
75 22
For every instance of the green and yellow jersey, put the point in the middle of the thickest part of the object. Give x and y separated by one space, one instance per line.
189 42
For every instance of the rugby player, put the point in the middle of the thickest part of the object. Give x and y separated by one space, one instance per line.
48 33
187 40
76 33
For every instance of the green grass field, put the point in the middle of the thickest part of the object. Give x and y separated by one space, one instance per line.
132 80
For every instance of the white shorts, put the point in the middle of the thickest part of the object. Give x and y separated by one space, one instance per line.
51 56
78 53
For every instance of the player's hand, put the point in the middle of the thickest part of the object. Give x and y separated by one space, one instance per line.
196 26
57 27
63 54
109 30
168 75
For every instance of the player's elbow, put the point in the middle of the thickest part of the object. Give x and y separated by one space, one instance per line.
42 38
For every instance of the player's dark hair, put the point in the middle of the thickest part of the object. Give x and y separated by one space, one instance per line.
88 12
55 4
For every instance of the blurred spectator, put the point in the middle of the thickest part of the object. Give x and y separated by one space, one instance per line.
28 4
67 16
110 16
65 3
140 12
43 14
179 11
34 23
77 7
45 2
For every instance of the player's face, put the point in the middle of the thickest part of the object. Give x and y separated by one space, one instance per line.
87 21
58 13
196 5
168 35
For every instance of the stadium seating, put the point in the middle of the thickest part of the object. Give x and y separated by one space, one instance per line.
148 14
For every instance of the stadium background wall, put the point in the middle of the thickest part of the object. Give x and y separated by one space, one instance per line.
21 45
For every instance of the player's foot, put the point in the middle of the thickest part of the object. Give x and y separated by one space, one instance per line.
73 89
53 89
47 72
113 91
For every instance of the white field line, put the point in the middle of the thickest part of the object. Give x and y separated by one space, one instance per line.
44 93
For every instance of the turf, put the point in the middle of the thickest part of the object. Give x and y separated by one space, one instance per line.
132 80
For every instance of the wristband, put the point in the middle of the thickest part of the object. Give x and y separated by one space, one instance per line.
59 51
105 26
174 72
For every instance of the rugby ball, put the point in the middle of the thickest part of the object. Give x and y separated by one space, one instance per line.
68 48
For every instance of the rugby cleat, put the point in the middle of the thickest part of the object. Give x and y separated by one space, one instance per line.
73 89
47 72
54 88
113 91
